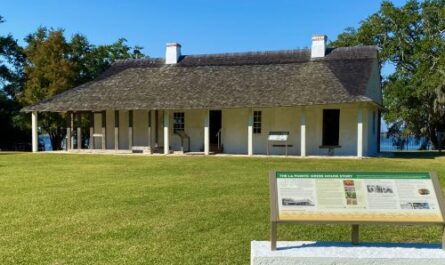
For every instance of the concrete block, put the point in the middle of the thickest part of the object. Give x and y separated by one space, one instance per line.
330 253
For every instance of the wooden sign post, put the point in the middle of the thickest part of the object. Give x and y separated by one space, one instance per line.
355 198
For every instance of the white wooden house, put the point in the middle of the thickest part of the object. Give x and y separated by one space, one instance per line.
327 101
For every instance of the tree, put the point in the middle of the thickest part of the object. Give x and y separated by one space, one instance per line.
54 65
412 38
11 84
90 61
49 71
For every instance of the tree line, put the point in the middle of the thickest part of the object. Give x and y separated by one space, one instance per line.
411 38
46 65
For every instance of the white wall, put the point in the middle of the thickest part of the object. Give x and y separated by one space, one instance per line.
372 132
140 128
234 129
193 127
347 134
288 119
278 119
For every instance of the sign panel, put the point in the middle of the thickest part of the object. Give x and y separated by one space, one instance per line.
357 197
278 136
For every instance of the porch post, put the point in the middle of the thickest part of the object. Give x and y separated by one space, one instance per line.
35 133
130 129
91 130
166 132
360 133
72 130
68 131
149 131
79 131
206 133
303 133
104 130
156 129
116 130
250 133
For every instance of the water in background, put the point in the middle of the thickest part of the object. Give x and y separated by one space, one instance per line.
410 143
386 143
45 142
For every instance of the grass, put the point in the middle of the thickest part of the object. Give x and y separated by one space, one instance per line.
100 209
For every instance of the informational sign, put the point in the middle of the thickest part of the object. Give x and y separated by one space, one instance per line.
357 197
278 136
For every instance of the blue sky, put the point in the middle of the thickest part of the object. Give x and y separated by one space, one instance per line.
200 26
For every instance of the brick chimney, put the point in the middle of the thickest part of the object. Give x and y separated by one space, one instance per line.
172 53
318 49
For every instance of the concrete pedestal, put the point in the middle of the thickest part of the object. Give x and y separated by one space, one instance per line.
329 253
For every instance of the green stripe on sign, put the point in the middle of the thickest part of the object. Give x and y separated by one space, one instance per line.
353 175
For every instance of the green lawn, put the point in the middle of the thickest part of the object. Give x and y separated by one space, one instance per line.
101 209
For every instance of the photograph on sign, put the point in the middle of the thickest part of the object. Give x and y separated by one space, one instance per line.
361 197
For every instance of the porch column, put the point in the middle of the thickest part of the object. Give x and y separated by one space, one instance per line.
35 132
79 131
68 131
72 130
303 133
156 128
116 130
360 133
206 133
149 131
91 130
104 130
166 132
250 133
130 129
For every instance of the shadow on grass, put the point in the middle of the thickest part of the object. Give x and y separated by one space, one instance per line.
413 154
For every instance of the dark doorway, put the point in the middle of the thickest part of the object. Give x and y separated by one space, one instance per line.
215 125
331 127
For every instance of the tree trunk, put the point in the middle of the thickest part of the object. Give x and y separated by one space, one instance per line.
433 138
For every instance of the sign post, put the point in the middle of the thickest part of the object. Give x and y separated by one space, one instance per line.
355 198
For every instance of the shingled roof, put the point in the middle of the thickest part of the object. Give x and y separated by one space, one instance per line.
252 79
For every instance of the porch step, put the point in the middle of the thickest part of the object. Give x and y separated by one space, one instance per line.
141 149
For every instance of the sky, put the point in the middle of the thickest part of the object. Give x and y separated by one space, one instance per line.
200 26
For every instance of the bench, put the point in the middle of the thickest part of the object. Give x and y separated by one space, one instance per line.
282 145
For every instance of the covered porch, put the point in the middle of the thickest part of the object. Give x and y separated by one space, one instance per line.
234 131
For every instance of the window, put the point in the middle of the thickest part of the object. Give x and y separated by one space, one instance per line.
178 121
374 123
257 122
331 127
